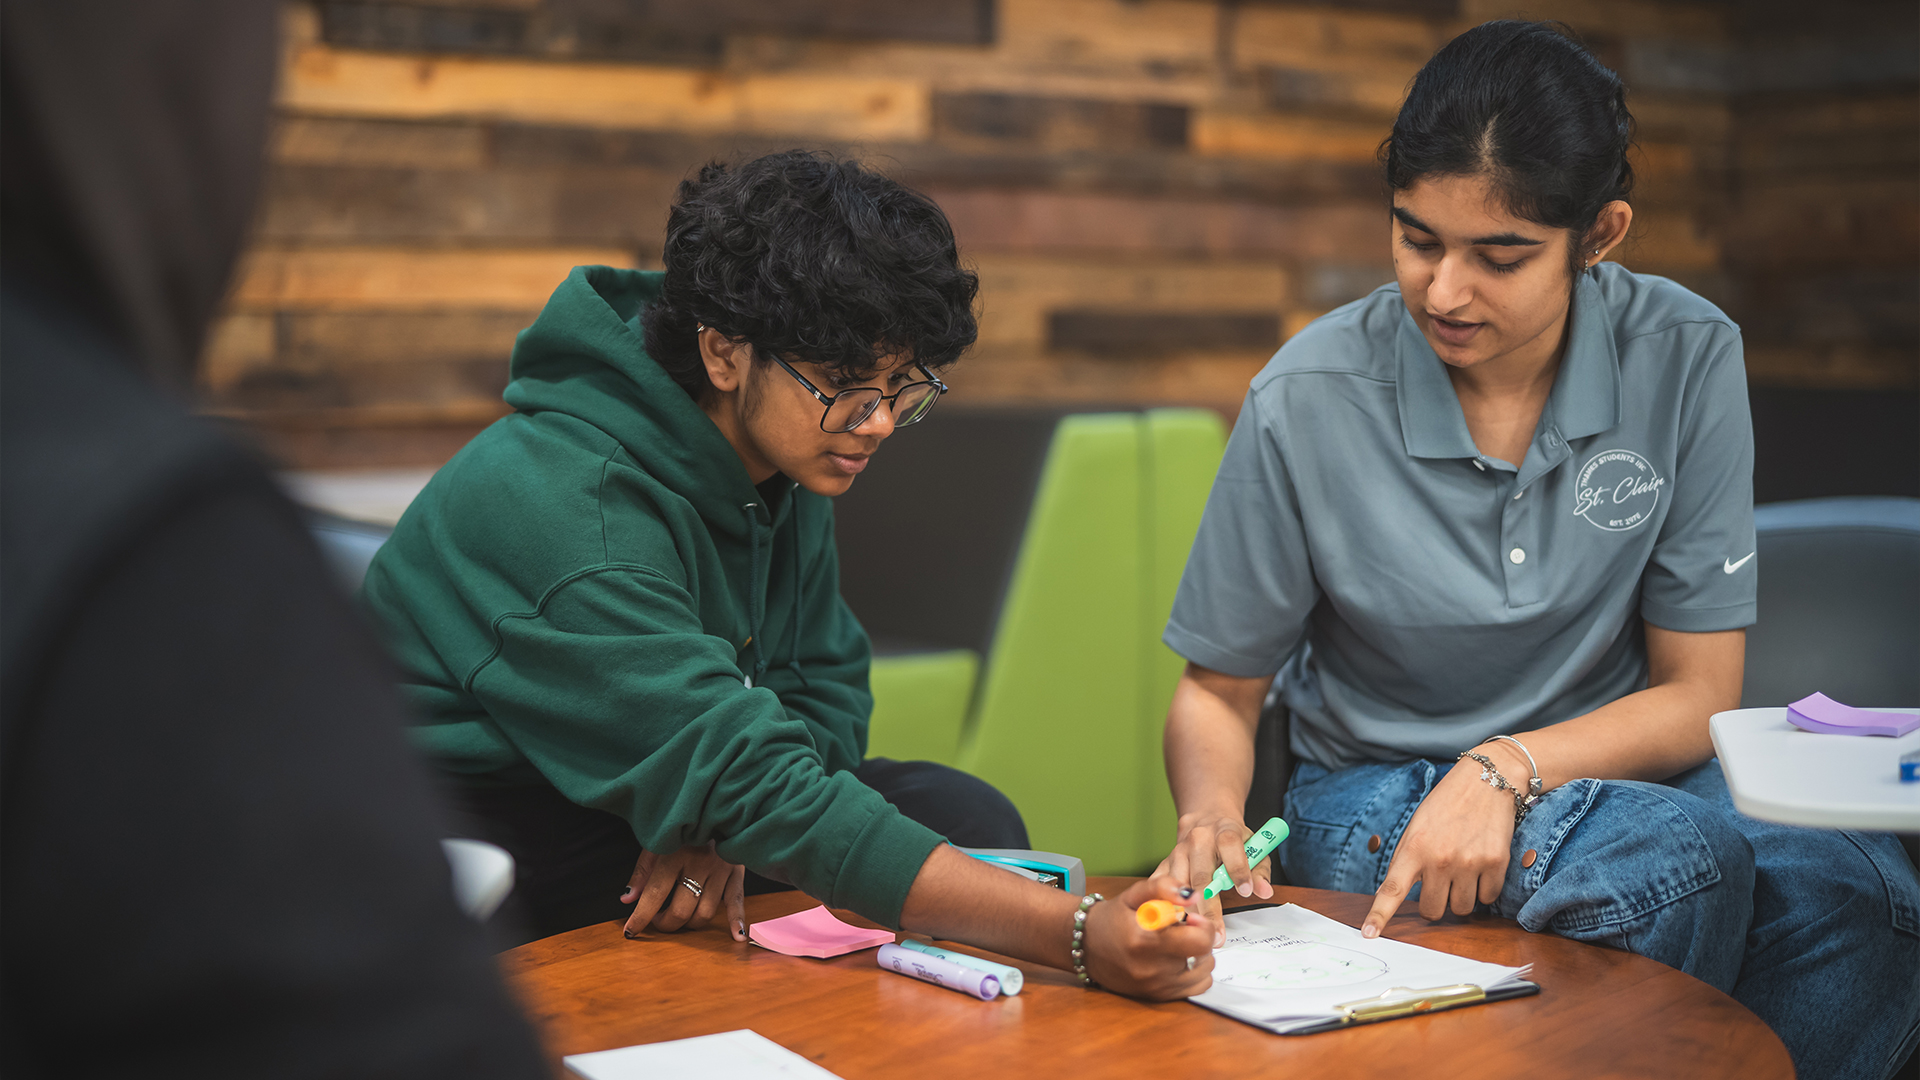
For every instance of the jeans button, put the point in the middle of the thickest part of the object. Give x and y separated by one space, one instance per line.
1373 844
1527 859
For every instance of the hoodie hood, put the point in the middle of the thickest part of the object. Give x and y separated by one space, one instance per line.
133 140
586 357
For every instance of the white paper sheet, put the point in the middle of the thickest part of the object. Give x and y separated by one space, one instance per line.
730 1055
1287 967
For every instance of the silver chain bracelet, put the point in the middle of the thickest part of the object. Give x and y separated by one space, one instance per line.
1079 951
1534 786
1522 801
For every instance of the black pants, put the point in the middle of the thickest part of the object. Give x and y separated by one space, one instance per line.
572 863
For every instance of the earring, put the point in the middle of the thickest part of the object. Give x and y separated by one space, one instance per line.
697 327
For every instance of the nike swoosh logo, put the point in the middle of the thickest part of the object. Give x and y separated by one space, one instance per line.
1730 566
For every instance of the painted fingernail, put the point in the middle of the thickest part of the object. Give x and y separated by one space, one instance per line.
631 936
1186 891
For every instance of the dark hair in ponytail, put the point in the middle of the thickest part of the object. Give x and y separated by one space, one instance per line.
1525 105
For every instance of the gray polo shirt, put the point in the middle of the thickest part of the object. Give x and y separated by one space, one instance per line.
1416 596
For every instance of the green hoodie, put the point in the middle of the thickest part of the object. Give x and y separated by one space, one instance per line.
593 594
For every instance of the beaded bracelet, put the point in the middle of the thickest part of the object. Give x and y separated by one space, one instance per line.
1079 951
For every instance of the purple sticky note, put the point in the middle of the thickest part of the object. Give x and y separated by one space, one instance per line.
1822 714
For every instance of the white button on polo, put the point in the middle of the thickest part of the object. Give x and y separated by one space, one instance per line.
1519 493
1516 556
1479 466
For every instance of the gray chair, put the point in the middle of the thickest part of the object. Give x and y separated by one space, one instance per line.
347 545
482 872
1839 606
1839 603
1272 768
928 538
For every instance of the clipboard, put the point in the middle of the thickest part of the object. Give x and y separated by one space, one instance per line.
1474 984
1404 1001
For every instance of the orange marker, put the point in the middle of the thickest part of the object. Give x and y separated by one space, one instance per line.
1159 914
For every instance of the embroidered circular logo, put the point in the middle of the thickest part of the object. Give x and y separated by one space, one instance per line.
1617 490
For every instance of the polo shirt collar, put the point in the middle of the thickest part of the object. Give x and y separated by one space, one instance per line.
1430 418
1585 399
1586 391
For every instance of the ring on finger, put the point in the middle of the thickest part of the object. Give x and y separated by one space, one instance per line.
692 886
1191 961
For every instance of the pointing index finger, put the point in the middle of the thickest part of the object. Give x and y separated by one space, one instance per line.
1392 893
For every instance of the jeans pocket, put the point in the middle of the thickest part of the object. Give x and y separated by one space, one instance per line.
1619 852
1316 853
1542 832
1897 874
1336 819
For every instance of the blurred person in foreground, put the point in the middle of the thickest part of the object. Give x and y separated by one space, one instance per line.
218 856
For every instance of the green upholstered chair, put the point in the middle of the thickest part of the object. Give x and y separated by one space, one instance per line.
928 538
920 702
1067 715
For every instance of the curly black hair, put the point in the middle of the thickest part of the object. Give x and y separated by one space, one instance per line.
807 256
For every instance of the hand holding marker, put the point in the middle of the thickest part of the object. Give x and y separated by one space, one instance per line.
1158 914
1260 845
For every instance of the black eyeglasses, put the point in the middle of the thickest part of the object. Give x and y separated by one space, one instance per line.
848 409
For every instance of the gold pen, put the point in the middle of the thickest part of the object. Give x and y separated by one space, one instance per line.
1406 1001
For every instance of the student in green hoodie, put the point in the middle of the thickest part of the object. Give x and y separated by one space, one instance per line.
618 611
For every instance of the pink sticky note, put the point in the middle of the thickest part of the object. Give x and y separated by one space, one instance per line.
815 932
1820 713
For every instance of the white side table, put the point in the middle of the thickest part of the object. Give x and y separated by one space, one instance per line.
1777 772
482 876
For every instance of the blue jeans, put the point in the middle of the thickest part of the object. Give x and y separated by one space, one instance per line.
1817 931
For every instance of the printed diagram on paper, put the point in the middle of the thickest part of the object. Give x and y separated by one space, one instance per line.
1292 961
1286 967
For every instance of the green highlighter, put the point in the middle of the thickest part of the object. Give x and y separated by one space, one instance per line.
1259 846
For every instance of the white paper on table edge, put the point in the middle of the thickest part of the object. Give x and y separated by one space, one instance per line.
749 1055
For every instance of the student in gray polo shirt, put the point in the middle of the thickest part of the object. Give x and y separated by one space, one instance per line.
1501 513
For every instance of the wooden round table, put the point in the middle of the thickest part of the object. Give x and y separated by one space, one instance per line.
1600 1012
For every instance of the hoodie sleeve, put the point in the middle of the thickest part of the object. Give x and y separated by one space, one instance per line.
614 692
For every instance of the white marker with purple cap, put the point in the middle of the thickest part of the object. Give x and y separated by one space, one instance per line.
917 965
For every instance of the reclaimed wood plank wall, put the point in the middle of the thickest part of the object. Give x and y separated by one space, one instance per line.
1156 193
1822 232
